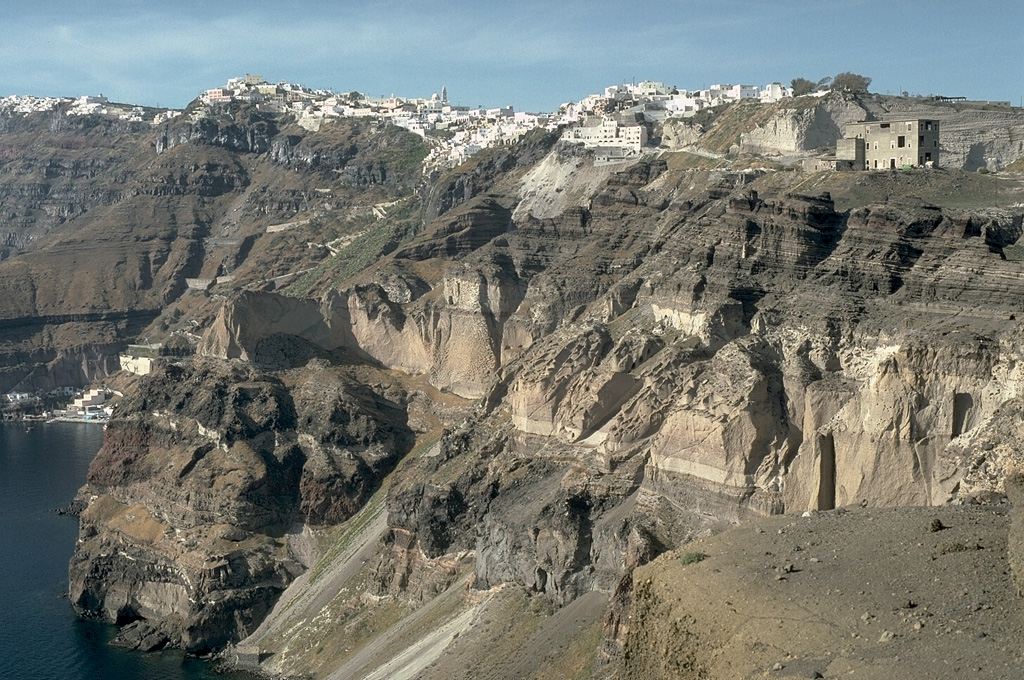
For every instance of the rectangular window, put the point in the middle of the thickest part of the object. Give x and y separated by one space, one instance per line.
920 139
901 141
884 126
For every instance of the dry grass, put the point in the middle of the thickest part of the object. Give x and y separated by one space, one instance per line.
733 122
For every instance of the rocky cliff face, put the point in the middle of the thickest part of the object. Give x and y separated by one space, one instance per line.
192 499
674 357
102 223
412 397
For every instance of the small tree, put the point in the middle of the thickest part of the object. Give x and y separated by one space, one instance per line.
851 82
801 86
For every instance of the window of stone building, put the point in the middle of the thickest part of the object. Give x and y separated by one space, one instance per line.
901 141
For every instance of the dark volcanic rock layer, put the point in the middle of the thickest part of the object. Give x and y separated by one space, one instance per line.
201 477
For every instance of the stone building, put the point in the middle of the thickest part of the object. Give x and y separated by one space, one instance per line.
890 144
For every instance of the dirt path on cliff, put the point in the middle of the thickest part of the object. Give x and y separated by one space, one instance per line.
315 588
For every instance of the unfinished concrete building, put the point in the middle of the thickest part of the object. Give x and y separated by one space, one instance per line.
890 144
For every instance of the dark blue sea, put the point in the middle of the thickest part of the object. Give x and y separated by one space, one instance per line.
40 636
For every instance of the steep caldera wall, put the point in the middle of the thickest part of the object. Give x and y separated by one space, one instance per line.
652 354
673 354
104 223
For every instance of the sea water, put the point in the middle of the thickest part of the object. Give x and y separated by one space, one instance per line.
41 638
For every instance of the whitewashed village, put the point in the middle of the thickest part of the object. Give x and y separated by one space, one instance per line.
614 122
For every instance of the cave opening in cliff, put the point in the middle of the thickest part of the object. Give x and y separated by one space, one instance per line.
827 481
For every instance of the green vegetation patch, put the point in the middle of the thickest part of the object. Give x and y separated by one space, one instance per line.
692 558
378 240
1014 253
940 187
403 153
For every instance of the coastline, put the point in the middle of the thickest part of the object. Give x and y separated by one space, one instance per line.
74 419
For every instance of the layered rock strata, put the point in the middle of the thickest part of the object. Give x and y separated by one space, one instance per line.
670 354
205 479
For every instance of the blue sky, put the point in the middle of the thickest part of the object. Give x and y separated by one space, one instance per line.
532 54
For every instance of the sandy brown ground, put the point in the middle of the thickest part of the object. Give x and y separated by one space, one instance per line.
860 593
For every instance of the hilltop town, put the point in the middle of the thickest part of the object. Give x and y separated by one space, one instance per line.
612 121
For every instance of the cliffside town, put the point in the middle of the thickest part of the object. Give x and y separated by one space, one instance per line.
389 416
458 132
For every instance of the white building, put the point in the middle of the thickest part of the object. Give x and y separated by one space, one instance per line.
725 94
650 88
607 132
94 397
773 92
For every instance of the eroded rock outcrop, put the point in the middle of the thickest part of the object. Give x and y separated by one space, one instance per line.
199 481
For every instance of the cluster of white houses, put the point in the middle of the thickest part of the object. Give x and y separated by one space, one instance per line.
464 130
468 130
657 101
614 122
88 405
84 106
